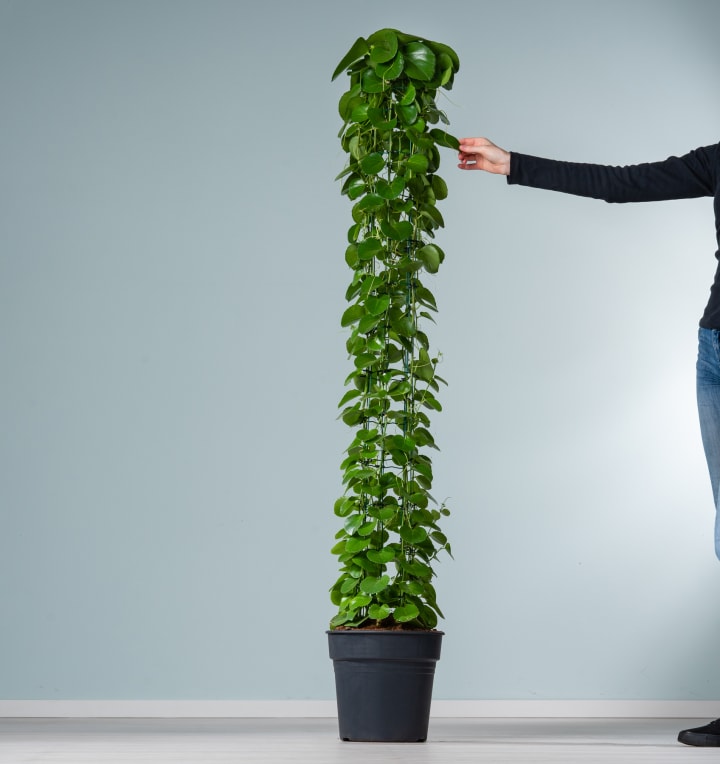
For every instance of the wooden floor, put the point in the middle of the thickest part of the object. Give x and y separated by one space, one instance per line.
315 741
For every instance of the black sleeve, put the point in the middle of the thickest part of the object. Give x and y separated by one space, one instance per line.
685 177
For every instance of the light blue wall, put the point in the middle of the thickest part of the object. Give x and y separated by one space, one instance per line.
171 277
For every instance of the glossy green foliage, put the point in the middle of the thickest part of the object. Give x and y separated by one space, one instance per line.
390 535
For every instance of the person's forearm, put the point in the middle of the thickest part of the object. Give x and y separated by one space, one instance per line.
675 178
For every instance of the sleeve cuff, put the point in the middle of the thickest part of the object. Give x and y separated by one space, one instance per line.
515 169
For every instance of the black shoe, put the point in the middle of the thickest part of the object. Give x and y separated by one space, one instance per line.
709 735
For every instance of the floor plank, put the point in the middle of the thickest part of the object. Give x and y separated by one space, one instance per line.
315 741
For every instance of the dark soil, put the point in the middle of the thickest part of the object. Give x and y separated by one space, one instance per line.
389 624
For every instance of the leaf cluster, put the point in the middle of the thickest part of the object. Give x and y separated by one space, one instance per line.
390 535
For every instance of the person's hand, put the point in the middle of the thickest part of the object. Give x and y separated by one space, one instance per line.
482 154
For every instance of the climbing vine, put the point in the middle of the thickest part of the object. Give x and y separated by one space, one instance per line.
390 535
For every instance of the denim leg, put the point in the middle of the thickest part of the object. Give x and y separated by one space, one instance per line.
708 399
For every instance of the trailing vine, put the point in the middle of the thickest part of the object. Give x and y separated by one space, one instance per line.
390 535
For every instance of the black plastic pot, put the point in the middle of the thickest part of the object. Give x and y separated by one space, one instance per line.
383 681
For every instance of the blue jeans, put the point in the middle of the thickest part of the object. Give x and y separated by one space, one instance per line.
708 399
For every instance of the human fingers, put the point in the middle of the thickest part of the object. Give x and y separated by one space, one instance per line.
468 161
471 144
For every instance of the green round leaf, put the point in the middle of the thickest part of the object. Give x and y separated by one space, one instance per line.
420 500
376 345
354 545
372 164
401 230
433 215
351 255
417 163
339 548
362 600
431 256
393 69
369 248
376 306
441 48
408 114
368 435
353 147
367 528
353 522
343 506
439 537
390 190
426 297
414 587
381 556
369 202
339 619
439 187
345 104
406 613
353 233
379 612
401 443
378 118
348 585
411 535
421 140
368 323
371 83
421 467
404 229
354 186
385 515
428 618
418 127
419 61
352 314
358 50
405 326
446 67
383 45
409 95
352 416
360 112
366 360
372 585
443 138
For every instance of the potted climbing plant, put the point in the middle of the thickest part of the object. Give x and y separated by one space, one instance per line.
390 537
